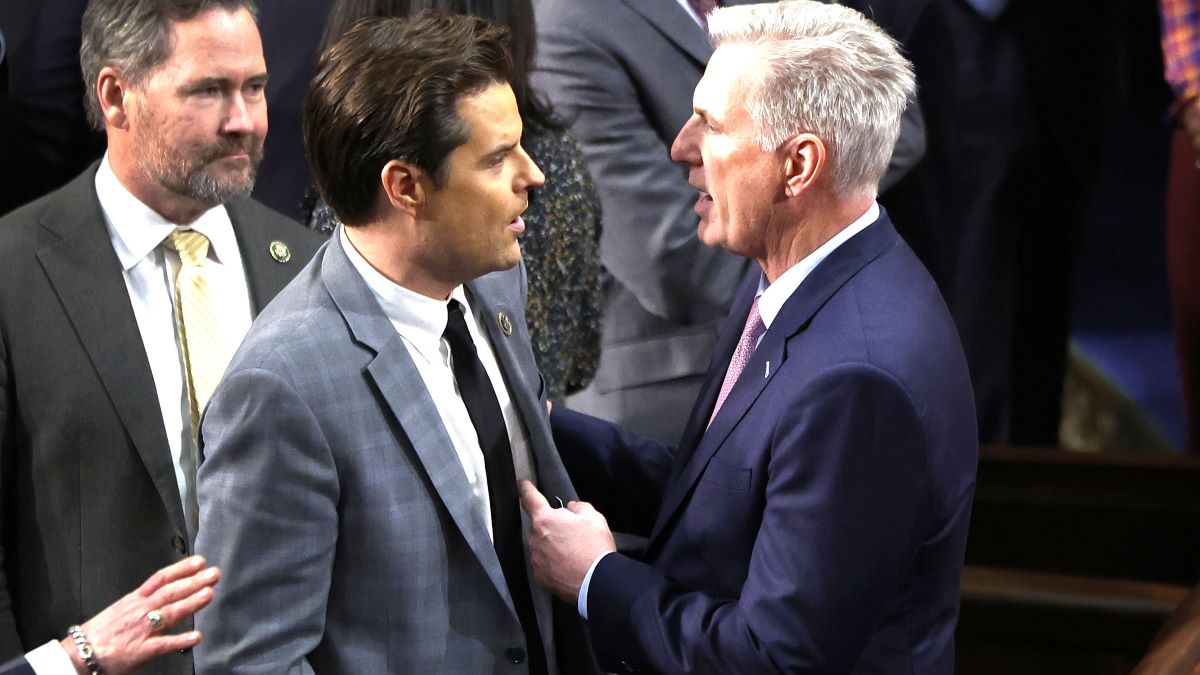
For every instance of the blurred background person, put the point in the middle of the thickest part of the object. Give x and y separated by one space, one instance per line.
561 240
1181 61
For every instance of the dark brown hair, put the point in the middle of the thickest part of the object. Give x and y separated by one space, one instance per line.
389 89
516 15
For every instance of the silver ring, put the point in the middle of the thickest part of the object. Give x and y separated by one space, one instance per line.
155 618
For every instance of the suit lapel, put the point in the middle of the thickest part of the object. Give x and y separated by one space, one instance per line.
727 339
793 318
86 275
265 275
487 306
404 393
674 23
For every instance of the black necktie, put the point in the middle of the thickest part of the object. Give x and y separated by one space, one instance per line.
480 398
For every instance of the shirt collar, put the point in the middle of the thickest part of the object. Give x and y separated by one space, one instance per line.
418 318
772 297
137 230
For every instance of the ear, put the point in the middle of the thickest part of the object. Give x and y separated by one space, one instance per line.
111 89
805 161
404 186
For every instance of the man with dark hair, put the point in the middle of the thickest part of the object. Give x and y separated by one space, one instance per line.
122 297
362 452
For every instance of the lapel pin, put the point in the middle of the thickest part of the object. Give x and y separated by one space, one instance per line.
280 251
505 323
767 370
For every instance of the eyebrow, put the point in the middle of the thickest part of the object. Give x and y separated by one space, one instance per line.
205 82
499 151
704 115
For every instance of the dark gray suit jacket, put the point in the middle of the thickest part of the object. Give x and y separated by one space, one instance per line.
334 501
622 73
89 505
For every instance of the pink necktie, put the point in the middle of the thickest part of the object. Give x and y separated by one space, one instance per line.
703 8
741 355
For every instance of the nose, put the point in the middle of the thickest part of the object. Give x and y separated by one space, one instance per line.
686 148
241 115
534 178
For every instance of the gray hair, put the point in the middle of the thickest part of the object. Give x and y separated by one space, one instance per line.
829 71
134 36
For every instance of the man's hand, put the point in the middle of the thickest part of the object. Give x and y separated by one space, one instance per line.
121 635
564 542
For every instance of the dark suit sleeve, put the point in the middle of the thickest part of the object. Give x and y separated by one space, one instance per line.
649 241
18 666
621 474
10 641
844 489
268 495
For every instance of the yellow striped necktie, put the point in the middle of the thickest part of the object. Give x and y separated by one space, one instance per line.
204 354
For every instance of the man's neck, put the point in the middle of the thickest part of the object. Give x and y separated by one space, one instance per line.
801 233
377 243
173 207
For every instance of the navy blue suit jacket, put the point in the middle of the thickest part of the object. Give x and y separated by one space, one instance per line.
17 666
819 524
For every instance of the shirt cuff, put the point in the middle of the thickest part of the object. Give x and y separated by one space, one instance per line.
50 659
581 603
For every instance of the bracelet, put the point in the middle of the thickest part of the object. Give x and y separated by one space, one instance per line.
85 650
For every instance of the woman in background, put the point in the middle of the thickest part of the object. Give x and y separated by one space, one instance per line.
561 241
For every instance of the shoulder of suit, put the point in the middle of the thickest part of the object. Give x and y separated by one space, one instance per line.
22 225
275 224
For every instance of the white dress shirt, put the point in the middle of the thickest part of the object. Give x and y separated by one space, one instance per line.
149 270
420 321
137 233
771 299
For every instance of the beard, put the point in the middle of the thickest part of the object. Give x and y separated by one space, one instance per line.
188 170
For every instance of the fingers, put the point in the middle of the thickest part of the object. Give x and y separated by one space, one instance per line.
175 612
182 588
581 508
185 567
531 500
159 645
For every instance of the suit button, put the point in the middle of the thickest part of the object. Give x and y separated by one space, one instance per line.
515 655
179 544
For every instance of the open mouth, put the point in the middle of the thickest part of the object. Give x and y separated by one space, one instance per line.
704 202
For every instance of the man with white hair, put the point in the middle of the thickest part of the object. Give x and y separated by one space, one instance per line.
814 517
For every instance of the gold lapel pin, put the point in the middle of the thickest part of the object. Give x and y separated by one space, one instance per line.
280 251
505 323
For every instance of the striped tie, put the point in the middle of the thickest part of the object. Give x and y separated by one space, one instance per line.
204 355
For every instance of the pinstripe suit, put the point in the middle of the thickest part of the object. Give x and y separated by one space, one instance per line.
335 504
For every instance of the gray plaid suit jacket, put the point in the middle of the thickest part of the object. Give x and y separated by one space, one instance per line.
333 501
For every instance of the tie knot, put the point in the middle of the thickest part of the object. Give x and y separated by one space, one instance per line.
191 246
456 325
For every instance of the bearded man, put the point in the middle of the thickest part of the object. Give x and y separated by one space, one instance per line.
122 297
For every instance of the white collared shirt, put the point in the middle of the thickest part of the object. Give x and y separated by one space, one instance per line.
773 297
149 269
420 321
